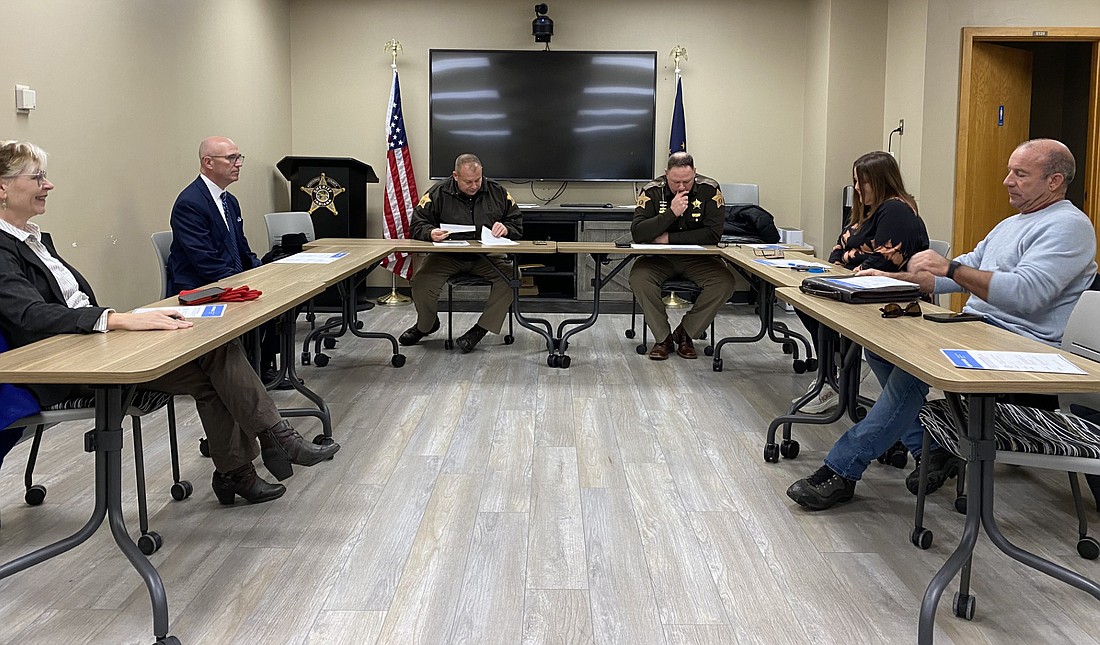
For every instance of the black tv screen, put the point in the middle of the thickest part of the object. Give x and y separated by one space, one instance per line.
544 115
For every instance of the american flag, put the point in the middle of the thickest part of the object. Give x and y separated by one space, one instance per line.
401 193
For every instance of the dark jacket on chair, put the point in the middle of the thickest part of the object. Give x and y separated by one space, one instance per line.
201 247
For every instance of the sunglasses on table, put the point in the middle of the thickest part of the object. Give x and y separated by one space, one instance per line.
894 310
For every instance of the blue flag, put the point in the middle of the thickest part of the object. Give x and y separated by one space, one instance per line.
677 141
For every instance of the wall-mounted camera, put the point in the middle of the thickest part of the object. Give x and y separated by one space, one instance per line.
542 27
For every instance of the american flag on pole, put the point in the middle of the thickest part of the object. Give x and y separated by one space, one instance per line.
401 193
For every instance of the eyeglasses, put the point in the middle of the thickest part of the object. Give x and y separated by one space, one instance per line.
768 253
232 159
894 310
39 176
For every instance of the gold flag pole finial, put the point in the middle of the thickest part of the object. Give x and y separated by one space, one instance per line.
678 53
392 47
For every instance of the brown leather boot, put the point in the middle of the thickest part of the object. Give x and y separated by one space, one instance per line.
281 446
244 481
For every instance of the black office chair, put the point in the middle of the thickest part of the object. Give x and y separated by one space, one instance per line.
671 287
469 280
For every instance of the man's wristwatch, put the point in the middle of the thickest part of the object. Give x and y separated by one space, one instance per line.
951 268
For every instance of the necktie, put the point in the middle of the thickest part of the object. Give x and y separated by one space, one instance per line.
235 254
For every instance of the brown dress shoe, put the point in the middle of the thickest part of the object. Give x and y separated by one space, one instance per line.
683 343
662 349
244 482
281 446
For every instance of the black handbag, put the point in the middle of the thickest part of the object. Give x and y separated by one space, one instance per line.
850 290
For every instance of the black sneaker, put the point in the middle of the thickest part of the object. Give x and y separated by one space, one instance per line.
412 335
822 490
471 338
942 465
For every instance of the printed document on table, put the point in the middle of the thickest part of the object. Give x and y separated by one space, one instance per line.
870 282
1011 361
451 243
667 247
311 258
488 239
458 228
193 311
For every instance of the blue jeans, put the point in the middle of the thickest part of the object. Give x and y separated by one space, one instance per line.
892 417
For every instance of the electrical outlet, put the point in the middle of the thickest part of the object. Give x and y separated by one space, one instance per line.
901 127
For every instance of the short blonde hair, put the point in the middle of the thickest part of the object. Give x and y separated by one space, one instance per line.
17 157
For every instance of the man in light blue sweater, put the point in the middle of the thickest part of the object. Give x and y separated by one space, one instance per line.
1025 276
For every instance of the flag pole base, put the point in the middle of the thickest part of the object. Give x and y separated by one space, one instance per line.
393 298
673 301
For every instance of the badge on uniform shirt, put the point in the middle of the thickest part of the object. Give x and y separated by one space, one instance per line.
696 214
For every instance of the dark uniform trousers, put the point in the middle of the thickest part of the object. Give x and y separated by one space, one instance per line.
434 270
711 274
232 403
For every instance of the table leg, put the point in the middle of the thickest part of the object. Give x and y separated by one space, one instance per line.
347 322
580 324
288 369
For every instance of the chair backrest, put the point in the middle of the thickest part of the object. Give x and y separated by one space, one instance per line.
279 224
162 244
741 193
1082 337
940 246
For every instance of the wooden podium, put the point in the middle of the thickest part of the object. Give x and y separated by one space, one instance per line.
333 190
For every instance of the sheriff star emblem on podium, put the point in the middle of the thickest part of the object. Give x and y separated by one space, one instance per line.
323 191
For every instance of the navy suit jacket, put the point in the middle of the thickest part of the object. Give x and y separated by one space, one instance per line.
32 306
201 248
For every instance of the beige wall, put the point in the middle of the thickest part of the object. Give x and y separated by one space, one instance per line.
126 90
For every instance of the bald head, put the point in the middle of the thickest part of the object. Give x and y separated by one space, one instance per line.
1038 172
220 160
1056 158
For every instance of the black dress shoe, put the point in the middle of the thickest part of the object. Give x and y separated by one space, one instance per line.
281 446
247 483
821 490
466 342
412 335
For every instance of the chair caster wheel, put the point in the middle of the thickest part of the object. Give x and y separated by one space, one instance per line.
564 362
630 333
860 413
181 490
509 339
35 495
305 358
328 343
322 440
1088 548
554 360
448 344
921 538
960 504
150 542
799 366
789 448
771 453
358 325
788 348
641 349
962 605
320 360
397 360
708 350
896 455
811 364
204 447
168 640
717 365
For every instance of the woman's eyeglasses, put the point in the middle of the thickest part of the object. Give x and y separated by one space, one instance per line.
774 254
894 310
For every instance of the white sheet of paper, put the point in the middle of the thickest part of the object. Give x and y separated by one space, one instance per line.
458 228
871 282
311 258
667 247
192 311
451 243
1011 361
488 239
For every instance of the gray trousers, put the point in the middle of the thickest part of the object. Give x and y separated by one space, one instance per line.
232 403
434 270
710 273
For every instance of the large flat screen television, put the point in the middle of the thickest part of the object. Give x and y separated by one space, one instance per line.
544 115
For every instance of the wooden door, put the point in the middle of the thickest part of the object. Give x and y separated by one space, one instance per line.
998 89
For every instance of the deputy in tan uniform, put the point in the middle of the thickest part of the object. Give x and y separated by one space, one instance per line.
679 208
465 198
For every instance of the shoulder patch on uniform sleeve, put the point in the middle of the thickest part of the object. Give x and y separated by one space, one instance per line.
643 199
509 196
424 201
718 199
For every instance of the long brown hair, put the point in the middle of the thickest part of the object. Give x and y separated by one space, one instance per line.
881 171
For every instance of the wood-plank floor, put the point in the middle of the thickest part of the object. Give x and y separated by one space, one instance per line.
486 498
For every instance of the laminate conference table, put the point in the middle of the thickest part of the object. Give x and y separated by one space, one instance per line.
914 345
114 363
